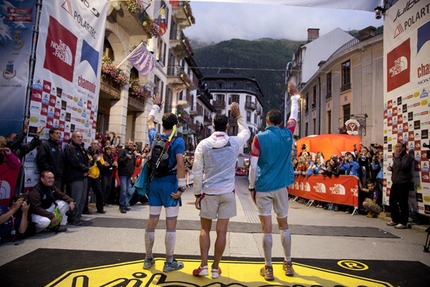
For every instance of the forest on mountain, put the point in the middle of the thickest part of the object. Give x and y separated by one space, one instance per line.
262 59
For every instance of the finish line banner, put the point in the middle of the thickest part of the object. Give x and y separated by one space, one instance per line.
339 190
65 91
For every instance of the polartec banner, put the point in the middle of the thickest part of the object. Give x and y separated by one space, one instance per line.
406 88
65 92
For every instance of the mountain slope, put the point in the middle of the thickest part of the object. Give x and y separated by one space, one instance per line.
263 59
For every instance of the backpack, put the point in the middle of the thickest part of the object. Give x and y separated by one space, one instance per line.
157 148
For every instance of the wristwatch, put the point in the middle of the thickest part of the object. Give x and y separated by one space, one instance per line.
198 195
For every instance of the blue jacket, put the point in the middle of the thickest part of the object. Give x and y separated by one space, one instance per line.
275 168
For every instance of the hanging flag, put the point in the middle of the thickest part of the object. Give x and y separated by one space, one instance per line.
161 22
142 59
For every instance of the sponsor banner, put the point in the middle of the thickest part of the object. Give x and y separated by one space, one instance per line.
406 88
339 190
65 91
8 177
16 34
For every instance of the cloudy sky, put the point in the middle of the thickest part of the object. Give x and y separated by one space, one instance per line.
217 22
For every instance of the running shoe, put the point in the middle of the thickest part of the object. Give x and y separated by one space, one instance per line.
172 266
201 271
267 273
288 268
148 262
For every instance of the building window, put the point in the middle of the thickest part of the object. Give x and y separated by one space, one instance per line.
314 97
248 99
248 116
328 95
329 122
346 112
346 76
306 129
306 103
234 98
314 124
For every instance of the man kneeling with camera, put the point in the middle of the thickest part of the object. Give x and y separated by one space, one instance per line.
49 205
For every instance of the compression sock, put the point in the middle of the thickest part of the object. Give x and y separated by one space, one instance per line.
149 242
267 248
286 244
170 240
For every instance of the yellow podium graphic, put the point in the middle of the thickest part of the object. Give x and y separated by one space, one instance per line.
234 273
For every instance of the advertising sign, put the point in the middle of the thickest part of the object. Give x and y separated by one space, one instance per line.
65 92
406 87
16 32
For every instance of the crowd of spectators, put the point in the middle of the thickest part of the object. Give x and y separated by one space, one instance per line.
83 175
365 163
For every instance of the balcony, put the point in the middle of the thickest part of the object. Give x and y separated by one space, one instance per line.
345 87
187 81
109 89
250 106
131 20
259 110
181 11
328 96
180 45
136 104
174 80
219 104
207 121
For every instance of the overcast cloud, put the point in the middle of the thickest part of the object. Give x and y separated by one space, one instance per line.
217 22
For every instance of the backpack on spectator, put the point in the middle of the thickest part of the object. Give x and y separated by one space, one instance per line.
158 161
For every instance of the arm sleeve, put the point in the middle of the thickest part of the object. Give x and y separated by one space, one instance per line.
292 121
255 153
198 169
244 132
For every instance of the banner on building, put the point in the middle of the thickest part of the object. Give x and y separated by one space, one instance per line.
406 87
339 190
16 33
65 92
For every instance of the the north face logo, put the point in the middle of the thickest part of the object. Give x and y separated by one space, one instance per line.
60 50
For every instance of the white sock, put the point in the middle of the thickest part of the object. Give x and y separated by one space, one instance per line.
267 248
149 243
170 240
286 244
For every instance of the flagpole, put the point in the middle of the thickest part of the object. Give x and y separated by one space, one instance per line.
158 12
129 55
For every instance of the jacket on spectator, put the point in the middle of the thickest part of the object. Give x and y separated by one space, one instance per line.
76 163
50 157
125 164
41 197
402 168
18 148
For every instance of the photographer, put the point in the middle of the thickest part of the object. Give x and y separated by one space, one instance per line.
126 164
45 200
14 219
377 164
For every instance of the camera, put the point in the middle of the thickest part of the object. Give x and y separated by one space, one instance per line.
379 11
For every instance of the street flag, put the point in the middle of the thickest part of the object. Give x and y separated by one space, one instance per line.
142 59
161 22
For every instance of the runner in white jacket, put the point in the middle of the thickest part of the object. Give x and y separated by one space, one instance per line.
214 190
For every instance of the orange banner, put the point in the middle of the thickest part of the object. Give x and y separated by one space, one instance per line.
341 190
